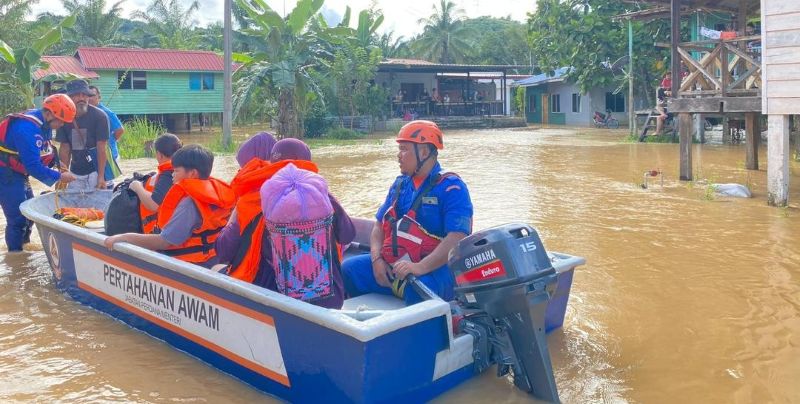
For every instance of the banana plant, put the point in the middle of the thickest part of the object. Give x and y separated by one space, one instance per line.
291 47
26 60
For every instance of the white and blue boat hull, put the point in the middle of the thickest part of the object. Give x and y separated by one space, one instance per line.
366 352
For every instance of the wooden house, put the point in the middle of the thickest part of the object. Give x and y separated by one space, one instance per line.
551 100
176 87
461 89
740 74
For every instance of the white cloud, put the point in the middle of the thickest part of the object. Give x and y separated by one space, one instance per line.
399 16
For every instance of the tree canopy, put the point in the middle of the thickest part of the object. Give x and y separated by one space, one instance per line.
581 34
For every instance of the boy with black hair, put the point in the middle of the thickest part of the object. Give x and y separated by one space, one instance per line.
192 213
155 188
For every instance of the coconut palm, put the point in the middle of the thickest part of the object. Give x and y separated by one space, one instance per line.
392 47
171 23
12 20
443 34
95 27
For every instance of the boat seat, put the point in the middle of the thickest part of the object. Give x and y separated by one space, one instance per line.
373 301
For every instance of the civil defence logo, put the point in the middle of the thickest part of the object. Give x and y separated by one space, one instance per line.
55 256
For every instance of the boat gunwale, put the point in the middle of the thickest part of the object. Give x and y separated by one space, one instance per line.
334 319
366 330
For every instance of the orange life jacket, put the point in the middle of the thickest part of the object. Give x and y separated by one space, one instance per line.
247 186
404 237
215 200
149 217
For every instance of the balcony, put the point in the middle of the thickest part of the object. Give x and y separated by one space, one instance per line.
725 68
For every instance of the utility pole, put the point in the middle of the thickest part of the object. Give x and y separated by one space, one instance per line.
227 102
631 108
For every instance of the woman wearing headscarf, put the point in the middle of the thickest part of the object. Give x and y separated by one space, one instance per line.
251 263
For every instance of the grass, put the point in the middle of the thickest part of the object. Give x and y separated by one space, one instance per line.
218 147
138 134
343 134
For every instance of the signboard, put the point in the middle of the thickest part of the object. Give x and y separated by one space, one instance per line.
238 333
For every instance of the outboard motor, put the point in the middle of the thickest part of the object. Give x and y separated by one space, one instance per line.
503 282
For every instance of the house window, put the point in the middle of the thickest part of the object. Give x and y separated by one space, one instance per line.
132 80
201 81
615 102
555 103
576 102
532 103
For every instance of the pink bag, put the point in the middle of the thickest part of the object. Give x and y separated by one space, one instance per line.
299 220
295 195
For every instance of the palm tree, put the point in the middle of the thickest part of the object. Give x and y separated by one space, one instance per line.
289 50
443 34
171 23
12 20
392 47
95 27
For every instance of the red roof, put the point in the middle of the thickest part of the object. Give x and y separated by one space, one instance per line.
64 64
149 59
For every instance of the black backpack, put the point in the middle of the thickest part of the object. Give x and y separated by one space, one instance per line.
122 215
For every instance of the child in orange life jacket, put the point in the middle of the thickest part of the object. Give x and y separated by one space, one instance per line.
192 214
152 193
425 214
247 249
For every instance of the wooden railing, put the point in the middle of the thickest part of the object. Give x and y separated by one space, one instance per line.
726 67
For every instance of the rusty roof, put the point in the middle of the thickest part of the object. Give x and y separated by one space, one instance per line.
61 65
149 59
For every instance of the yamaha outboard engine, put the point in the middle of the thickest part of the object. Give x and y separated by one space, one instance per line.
503 281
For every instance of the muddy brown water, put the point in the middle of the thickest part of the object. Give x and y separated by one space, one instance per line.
685 297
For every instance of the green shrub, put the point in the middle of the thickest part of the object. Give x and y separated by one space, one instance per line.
343 134
217 146
314 121
138 138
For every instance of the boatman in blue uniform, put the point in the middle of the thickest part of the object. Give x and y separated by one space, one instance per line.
25 149
425 214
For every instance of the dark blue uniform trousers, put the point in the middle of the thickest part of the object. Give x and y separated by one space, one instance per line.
358 280
15 189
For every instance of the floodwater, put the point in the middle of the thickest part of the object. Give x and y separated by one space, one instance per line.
685 296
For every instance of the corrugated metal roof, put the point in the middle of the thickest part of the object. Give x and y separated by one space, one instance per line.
423 66
543 78
412 62
149 59
64 64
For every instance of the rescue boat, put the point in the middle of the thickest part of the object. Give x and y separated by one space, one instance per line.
374 349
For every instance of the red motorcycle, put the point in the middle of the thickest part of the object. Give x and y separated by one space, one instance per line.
602 120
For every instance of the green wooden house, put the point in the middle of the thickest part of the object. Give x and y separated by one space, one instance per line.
179 88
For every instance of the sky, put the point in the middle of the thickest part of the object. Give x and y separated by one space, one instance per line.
400 16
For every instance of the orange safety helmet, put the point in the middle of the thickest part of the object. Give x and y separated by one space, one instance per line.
61 106
421 132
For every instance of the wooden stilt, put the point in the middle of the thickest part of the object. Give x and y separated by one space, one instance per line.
796 134
685 132
726 130
778 160
753 137
700 127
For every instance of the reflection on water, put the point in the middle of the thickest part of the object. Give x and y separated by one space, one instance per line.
684 295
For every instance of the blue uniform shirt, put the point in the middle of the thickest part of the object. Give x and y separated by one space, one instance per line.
446 208
113 124
29 141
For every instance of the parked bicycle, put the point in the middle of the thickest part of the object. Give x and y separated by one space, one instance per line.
602 120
